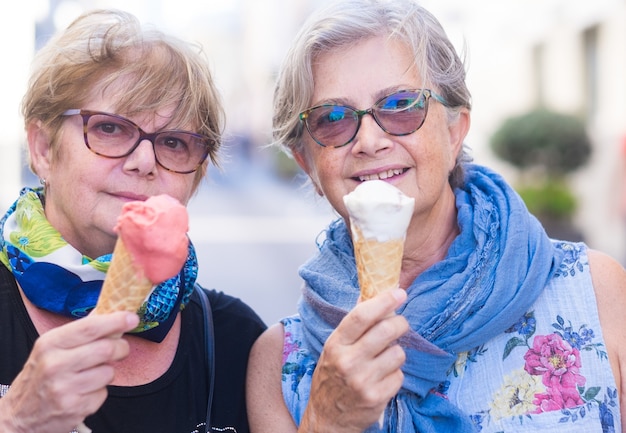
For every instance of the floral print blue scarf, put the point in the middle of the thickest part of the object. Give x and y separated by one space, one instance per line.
494 270
56 277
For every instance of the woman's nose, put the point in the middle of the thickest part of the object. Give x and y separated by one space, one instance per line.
370 139
142 159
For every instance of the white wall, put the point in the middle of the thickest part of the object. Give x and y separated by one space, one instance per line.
17 34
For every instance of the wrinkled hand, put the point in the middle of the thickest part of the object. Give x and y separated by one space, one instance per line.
65 377
359 369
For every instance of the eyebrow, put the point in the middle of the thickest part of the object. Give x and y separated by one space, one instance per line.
377 96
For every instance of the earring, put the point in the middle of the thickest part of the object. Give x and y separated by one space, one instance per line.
42 181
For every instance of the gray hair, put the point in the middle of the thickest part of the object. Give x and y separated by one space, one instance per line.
343 23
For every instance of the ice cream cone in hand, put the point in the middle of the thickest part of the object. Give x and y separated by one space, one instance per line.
377 263
125 287
151 247
379 217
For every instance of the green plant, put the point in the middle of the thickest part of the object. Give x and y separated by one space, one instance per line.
549 200
542 139
545 146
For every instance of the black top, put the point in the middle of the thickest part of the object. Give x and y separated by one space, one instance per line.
175 402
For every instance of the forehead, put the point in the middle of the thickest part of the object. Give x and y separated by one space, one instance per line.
361 73
110 98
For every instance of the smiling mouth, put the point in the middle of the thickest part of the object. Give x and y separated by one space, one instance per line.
383 174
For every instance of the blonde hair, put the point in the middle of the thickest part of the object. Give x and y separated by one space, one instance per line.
105 47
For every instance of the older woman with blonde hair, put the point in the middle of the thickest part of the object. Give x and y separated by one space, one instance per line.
114 113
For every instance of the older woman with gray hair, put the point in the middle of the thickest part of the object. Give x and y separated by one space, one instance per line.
494 326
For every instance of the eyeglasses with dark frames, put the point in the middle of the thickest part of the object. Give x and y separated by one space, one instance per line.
400 113
114 136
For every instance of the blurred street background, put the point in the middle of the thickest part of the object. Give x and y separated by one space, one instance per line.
256 221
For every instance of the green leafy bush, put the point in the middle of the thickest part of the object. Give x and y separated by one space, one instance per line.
554 142
549 200
546 146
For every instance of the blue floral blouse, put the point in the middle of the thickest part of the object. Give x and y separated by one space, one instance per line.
548 373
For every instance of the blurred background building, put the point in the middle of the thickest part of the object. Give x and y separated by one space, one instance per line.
254 223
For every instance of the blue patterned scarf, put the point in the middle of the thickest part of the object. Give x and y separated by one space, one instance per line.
56 277
494 270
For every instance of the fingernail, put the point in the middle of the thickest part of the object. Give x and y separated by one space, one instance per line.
399 294
132 319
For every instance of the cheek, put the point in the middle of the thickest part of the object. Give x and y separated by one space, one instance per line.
186 195
326 171
440 152
71 152
179 186
313 162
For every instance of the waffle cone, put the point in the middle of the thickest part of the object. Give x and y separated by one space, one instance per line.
125 287
378 264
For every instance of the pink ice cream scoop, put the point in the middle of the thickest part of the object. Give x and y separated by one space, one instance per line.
155 233
151 248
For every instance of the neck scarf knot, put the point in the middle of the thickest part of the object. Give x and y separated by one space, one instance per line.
493 272
56 277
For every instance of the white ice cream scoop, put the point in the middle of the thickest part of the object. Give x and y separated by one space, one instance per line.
379 217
